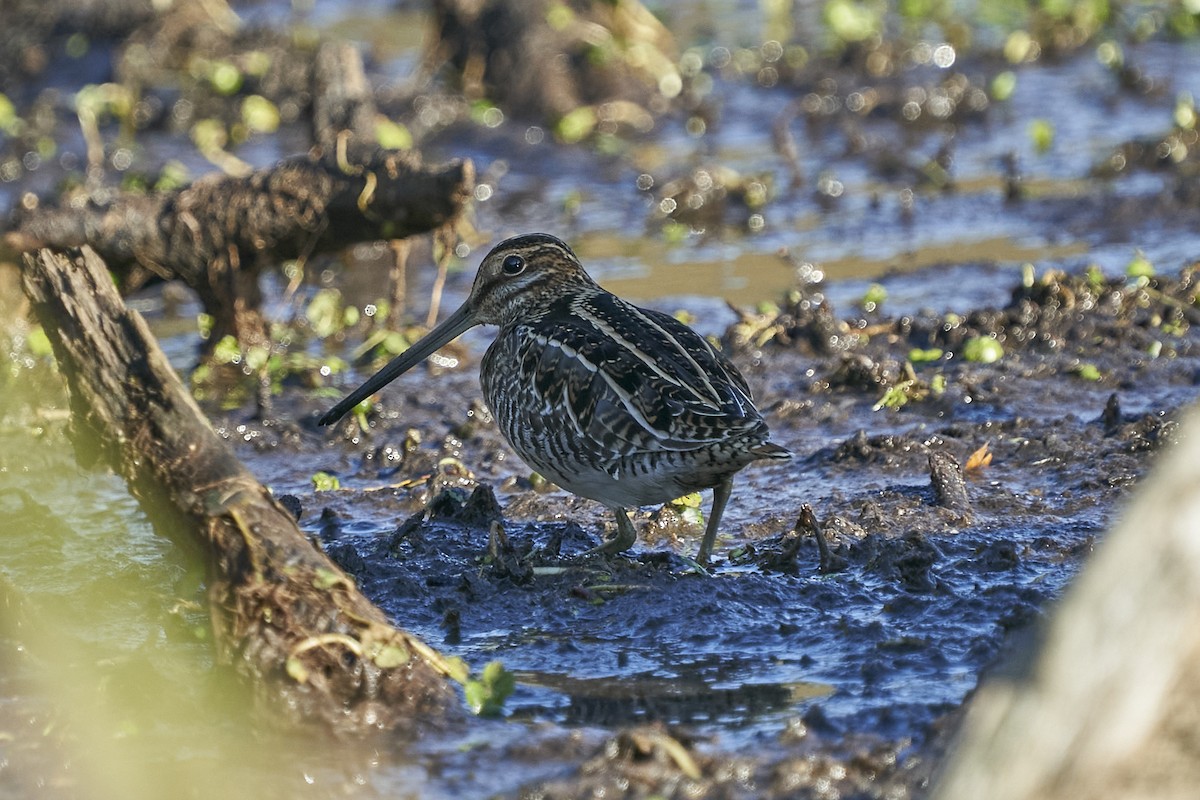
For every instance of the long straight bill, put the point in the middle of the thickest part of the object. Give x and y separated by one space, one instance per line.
451 328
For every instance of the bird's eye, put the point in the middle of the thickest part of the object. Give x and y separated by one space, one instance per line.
513 265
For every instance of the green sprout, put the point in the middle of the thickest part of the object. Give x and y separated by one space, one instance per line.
873 298
924 356
486 695
1139 267
1003 85
1041 133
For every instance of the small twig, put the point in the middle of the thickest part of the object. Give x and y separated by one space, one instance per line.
444 237
1192 315
785 143
398 278
829 561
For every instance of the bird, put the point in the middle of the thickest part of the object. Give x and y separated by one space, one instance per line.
620 404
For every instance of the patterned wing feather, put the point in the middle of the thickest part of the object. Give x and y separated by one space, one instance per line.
633 380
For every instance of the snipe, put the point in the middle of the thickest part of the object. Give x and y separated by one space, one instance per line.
613 402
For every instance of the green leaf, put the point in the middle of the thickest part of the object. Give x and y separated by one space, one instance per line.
224 77
259 114
924 356
576 125
1028 275
689 508
1041 132
256 357
852 22
1003 85
392 135
204 325
174 175
1185 111
559 16
324 482
982 350
10 123
209 135
873 297
1139 266
296 670
895 397
227 351
39 343
327 578
391 656
324 312
457 669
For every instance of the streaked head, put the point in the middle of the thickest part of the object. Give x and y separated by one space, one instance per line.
521 276
518 278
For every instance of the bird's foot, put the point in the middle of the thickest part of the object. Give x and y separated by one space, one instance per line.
621 541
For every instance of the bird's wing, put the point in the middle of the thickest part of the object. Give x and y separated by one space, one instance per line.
634 379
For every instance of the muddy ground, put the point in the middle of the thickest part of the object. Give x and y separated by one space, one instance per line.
778 672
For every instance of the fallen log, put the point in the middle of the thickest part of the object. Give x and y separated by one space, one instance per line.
217 233
284 615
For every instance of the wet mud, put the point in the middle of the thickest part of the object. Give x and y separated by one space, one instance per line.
964 430
952 520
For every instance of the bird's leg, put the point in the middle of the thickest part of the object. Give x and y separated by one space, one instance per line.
624 539
720 498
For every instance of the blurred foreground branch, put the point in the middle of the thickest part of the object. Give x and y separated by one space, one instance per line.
1107 705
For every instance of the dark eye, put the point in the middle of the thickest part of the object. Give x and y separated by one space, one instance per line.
513 265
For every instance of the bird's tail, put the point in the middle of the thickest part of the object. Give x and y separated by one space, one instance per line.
772 451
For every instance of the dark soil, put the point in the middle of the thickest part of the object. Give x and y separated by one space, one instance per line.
849 669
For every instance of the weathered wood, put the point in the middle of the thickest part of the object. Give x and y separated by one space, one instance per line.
541 60
949 486
218 232
343 99
283 613
1106 704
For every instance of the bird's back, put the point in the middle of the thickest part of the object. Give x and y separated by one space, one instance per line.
597 384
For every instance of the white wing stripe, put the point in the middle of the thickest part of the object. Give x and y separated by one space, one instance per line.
624 396
711 400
